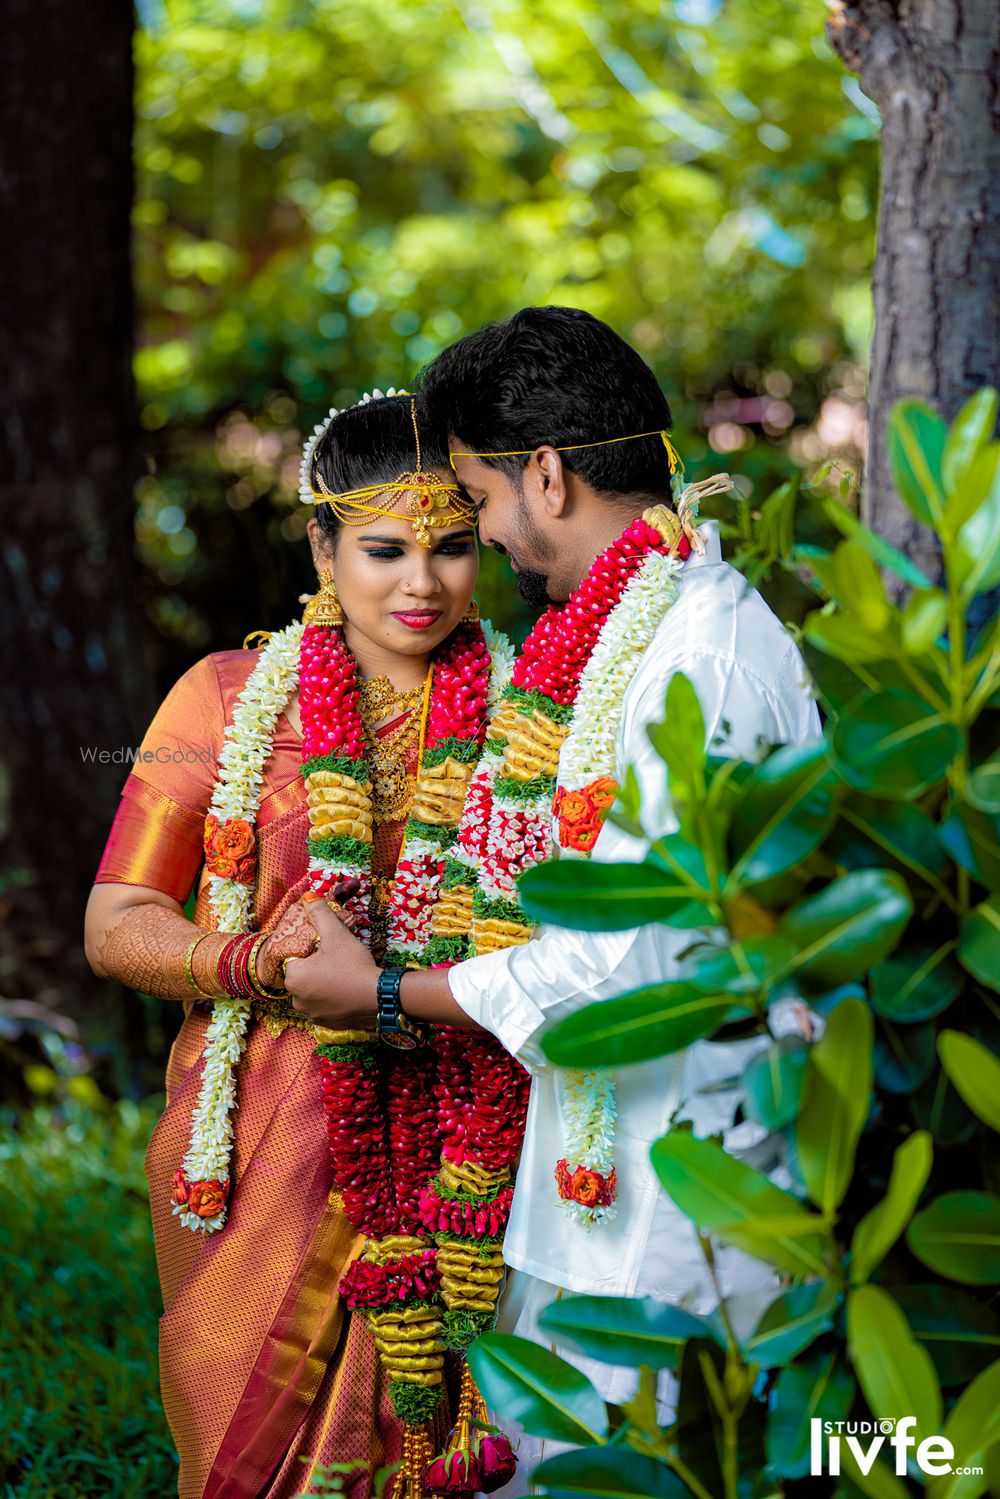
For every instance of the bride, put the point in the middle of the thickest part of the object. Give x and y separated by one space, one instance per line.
328 1207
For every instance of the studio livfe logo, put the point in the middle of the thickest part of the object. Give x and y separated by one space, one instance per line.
864 1440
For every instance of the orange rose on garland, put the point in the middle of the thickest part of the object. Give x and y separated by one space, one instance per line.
207 1198
588 1188
229 849
581 814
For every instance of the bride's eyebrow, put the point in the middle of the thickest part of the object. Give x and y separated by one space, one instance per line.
388 541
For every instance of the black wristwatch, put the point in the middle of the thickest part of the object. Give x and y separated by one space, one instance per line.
391 1025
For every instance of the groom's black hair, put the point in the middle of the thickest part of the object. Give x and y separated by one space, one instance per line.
371 444
552 376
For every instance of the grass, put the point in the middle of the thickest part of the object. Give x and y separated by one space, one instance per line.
80 1413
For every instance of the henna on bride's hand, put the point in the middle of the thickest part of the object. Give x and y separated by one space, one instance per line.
293 937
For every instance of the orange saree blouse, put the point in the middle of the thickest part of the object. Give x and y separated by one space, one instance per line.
264 1373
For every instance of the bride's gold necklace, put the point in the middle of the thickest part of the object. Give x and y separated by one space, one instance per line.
392 786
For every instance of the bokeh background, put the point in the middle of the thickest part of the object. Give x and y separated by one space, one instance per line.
329 193
326 194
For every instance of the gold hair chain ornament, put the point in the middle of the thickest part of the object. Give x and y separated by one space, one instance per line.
687 496
673 457
430 502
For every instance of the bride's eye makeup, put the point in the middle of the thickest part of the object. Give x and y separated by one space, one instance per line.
386 553
459 546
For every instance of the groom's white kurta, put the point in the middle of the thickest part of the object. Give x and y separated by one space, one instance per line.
750 680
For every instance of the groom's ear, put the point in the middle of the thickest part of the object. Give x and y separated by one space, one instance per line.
546 467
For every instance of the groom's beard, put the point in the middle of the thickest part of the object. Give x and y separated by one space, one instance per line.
532 585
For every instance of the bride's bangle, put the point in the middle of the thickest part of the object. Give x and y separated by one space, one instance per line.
189 970
262 988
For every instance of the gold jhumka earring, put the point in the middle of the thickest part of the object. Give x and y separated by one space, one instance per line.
471 615
323 608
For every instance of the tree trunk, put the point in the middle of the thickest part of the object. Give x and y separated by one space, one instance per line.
933 69
72 671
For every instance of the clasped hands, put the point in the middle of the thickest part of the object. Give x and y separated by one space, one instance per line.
327 972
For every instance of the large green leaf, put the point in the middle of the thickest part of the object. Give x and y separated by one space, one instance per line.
647 1023
607 1473
698 1433
904 1058
916 984
881 1227
819 1386
784 811
894 744
858 586
872 834
938 1108
972 838
979 943
973 1429
773 1080
625 1329
548 1396
959 1236
791 1323
883 552
841 682
970 432
725 1197
893 1369
846 638
592 897
680 739
923 620
961 1334
675 855
836 1098
975 1072
976 551
851 924
983 788
739 968
916 442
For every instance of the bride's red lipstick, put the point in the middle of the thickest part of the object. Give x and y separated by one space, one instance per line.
418 619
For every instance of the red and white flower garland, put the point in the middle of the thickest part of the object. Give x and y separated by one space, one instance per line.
421 1145
551 754
327 671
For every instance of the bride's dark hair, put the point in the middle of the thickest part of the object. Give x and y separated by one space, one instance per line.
370 444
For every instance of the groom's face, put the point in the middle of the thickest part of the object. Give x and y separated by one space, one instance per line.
508 523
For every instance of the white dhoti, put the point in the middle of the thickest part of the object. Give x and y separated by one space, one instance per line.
747 1284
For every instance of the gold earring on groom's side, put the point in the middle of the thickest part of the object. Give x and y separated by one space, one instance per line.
323 608
471 615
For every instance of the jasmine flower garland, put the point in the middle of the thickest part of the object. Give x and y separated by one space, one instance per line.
550 753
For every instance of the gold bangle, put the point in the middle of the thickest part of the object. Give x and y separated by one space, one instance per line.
189 970
257 982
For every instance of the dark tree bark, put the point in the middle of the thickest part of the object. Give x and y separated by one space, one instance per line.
933 69
72 670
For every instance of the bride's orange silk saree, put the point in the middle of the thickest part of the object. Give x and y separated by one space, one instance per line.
261 1364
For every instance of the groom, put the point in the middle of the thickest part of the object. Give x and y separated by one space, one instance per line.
555 427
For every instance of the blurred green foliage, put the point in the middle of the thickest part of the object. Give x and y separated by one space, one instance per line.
79 1406
331 192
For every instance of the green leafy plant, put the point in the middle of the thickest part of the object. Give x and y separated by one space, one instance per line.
80 1410
861 874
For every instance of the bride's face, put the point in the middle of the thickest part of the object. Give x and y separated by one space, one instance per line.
398 595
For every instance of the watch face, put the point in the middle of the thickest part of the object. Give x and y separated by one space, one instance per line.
399 1039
